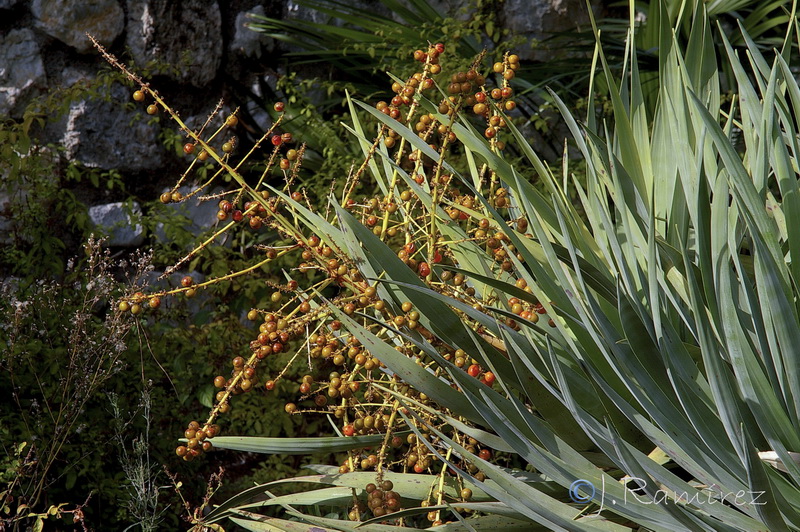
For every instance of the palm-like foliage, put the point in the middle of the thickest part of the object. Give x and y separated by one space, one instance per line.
672 358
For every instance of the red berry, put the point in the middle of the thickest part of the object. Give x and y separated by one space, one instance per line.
276 140
237 216
423 269
489 378
348 430
439 47
279 106
474 370
188 148
187 281
485 454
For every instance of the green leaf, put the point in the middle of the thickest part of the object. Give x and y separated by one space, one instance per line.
295 446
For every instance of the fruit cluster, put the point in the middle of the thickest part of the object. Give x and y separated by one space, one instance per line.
425 216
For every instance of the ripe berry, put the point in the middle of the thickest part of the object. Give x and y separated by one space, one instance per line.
188 148
286 138
348 430
276 140
279 107
187 281
138 96
485 454
474 370
155 302
439 47
152 109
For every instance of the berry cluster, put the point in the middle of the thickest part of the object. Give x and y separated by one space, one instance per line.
425 216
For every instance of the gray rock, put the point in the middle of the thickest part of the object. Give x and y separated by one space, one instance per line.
6 223
246 41
261 117
538 19
200 216
22 74
119 222
186 36
70 20
104 134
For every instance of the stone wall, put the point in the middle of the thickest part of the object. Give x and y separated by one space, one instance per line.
210 54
